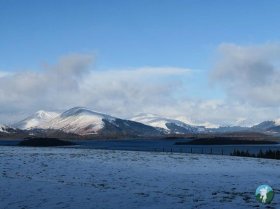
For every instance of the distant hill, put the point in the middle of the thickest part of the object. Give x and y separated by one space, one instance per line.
168 126
272 126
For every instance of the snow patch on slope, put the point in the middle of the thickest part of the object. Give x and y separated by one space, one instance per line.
36 120
151 120
79 120
159 122
277 122
3 129
197 123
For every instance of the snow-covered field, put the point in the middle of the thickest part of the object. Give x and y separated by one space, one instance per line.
86 178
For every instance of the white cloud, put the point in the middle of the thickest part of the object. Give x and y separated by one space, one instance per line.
4 73
249 74
74 82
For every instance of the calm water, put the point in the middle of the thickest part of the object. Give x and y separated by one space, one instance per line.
169 146
161 146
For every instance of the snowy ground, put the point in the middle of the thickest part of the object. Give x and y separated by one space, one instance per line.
53 178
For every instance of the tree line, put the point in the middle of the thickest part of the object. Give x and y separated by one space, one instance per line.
269 154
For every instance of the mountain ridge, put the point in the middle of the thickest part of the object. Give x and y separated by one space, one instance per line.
83 121
170 126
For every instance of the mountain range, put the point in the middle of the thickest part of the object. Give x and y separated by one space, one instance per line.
80 121
166 125
84 122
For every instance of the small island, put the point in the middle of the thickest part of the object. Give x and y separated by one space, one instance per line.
44 142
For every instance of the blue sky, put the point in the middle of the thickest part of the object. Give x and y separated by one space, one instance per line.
132 35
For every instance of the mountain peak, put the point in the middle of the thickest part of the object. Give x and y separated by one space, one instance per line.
79 111
277 122
2 128
167 124
36 120
75 111
45 114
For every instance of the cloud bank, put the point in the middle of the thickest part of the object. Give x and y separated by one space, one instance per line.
248 76
73 81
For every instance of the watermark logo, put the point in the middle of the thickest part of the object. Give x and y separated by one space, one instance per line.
264 194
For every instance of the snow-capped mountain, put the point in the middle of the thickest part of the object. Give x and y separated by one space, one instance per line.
169 126
4 129
79 120
242 122
268 126
37 120
82 121
204 124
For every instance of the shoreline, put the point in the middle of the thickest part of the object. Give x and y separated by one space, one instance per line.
165 146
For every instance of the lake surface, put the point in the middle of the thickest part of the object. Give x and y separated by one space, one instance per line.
169 146
161 146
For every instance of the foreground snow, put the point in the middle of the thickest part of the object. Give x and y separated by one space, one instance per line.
86 178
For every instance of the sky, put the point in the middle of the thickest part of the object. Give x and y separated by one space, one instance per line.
203 62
